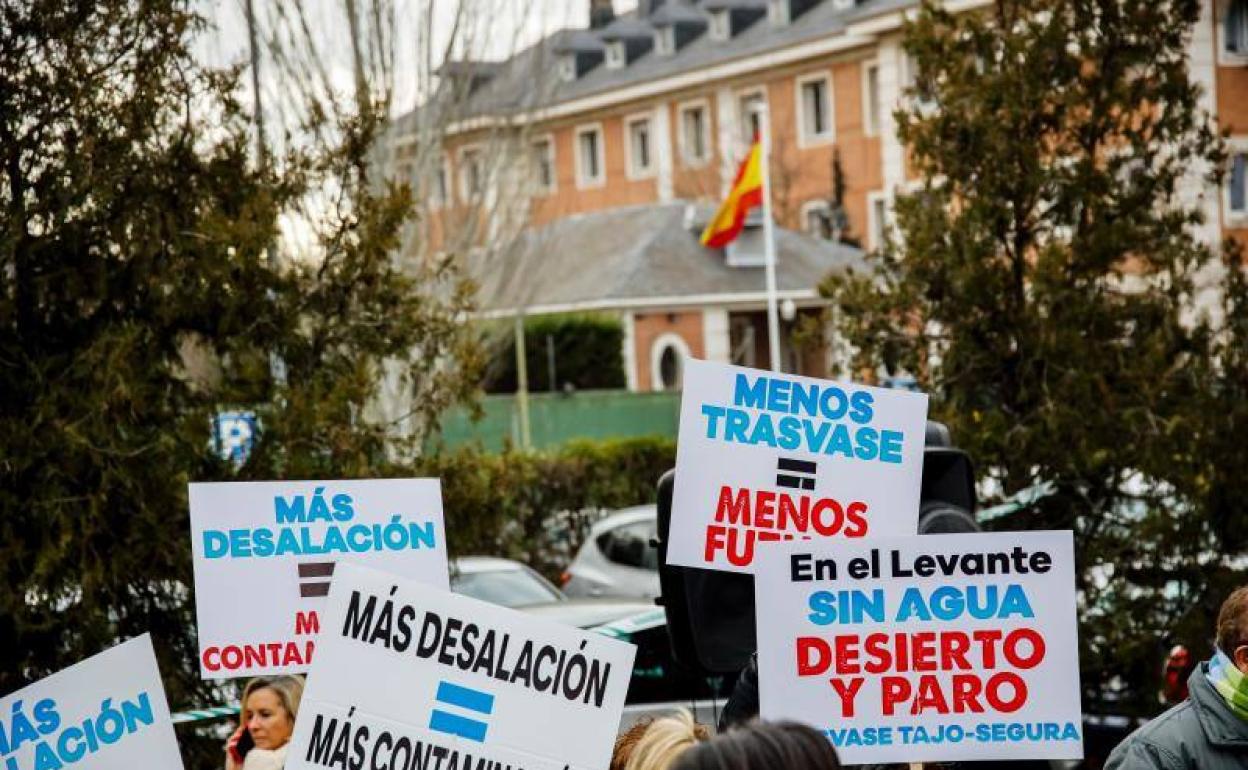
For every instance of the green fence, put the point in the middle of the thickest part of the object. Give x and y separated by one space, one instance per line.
555 418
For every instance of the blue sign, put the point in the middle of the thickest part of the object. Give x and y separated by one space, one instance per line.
460 697
234 435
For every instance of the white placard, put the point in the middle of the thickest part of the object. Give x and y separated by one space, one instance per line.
930 648
769 457
405 669
265 554
107 712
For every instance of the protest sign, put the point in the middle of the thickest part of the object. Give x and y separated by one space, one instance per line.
925 648
771 457
107 712
407 676
265 553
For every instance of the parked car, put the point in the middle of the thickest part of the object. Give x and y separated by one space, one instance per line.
502 581
616 558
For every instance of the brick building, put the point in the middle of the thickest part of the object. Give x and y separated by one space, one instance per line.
654 108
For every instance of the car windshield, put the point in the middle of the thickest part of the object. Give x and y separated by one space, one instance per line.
509 588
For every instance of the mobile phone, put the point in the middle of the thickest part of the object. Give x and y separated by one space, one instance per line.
245 743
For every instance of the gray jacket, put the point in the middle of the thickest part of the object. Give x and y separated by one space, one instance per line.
1201 733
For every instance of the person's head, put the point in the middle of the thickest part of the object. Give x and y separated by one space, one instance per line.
1233 628
269 707
762 745
655 745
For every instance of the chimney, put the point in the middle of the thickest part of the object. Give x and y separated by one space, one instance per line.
601 13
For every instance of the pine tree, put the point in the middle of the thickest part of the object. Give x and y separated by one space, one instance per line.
1042 286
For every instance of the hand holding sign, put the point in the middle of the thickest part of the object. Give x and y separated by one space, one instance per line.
933 648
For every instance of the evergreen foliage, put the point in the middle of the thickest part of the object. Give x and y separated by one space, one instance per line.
587 353
1045 287
140 295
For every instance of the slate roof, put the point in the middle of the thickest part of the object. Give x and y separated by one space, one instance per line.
624 256
513 86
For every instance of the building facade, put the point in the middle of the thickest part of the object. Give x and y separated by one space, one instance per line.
657 106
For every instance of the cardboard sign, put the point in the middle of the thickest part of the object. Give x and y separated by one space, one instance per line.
769 457
265 553
106 713
926 648
405 671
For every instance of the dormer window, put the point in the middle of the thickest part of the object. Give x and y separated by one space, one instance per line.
616 56
567 67
778 12
665 40
721 25
843 5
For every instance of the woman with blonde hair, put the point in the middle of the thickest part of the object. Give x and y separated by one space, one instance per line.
265 723
656 745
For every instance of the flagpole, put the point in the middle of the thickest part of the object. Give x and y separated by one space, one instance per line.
769 240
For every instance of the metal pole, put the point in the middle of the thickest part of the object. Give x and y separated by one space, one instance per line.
769 240
550 360
522 384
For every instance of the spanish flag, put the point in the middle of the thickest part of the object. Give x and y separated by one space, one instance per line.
746 193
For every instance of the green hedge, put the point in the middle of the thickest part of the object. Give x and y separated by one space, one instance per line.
588 353
537 506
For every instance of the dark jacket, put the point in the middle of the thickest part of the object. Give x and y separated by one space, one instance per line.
1201 733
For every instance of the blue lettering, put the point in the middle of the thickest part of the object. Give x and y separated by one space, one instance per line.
216 544
745 394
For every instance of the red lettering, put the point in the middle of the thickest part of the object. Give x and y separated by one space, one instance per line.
794 517
987 641
929 697
744 554
822 656
847 693
817 516
1010 649
210 655
855 517
953 648
847 655
231 658
1000 680
895 690
765 509
924 650
715 537
734 510
880 659
307 623
966 688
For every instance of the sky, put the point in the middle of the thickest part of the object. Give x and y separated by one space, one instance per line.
506 25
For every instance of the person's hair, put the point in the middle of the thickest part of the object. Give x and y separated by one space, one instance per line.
1233 621
626 742
289 691
758 745
657 745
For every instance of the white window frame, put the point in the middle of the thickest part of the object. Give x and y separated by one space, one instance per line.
465 194
439 198
567 67
807 208
584 182
828 136
538 187
665 40
617 55
720 28
1226 57
742 95
778 13
909 76
661 343
1235 145
876 229
631 170
685 157
871 127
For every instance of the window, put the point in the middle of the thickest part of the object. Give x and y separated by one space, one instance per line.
814 110
721 25
778 12
871 99
471 174
439 186
816 219
543 157
1237 184
589 160
639 149
695 136
665 40
616 58
1235 28
749 117
877 215
667 362
923 100
629 545
567 67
